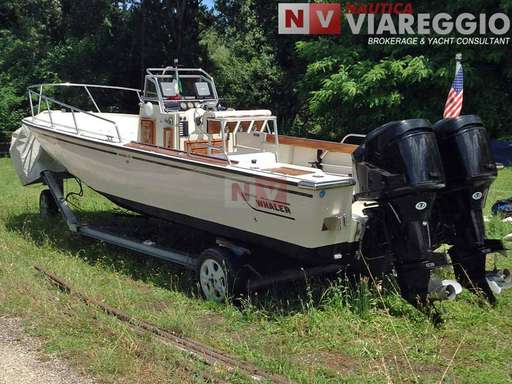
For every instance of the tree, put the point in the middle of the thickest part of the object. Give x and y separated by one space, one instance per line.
317 86
353 87
243 61
96 41
26 30
348 91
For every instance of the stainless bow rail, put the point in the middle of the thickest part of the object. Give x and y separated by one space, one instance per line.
40 97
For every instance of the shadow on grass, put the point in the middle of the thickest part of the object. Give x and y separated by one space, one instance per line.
54 231
275 300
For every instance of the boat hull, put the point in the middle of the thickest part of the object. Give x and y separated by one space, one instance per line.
310 256
230 202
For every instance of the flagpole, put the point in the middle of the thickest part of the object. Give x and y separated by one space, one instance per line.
453 105
458 61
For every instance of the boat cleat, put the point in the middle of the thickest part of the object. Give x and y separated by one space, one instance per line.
443 289
499 280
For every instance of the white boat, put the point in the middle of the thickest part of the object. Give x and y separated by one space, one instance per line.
185 159
223 171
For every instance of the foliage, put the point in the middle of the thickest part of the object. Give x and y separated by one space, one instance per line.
317 86
243 61
354 87
10 115
349 92
100 41
23 46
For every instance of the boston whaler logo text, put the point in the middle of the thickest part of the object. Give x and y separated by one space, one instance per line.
394 23
270 197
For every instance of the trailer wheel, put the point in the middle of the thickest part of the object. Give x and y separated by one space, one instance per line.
47 205
218 278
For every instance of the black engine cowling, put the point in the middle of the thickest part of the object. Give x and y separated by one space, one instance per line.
398 158
428 187
470 170
399 167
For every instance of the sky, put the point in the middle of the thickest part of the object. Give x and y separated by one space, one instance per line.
208 3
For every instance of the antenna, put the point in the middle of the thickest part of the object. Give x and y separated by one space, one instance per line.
176 75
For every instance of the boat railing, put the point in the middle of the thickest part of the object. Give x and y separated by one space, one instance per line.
163 71
41 97
358 136
223 122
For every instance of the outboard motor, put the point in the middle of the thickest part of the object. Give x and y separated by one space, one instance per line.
470 170
399 168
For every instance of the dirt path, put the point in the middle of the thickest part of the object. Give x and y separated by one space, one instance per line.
21 363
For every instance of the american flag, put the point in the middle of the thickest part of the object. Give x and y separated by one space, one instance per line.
453 104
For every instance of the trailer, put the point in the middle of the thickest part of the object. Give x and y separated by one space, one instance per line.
220 270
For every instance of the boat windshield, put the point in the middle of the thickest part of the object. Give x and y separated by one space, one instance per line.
187 87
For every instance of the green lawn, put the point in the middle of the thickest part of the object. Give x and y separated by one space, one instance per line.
320 334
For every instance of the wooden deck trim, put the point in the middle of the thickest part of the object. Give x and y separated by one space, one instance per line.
180 154
312 143
289 171
200 147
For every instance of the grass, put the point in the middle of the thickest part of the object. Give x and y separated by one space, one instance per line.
324 333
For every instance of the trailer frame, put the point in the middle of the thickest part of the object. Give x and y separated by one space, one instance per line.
190 261
55 185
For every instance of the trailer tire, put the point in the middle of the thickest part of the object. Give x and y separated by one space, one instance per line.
47 204
218 277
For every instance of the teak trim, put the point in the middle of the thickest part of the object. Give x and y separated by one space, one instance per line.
145 126
178 153
312 143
